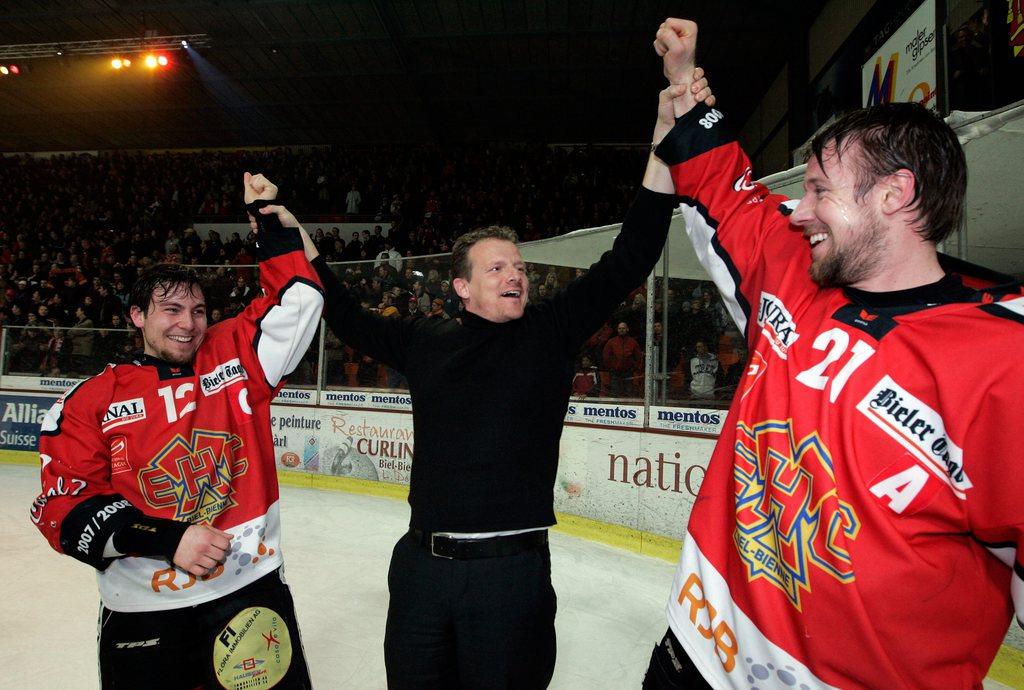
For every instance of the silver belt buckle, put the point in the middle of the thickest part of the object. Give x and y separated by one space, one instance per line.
433 536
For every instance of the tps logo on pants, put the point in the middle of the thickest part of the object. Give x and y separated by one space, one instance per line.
788 514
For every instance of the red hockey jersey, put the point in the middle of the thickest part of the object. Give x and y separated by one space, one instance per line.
859 522
189 443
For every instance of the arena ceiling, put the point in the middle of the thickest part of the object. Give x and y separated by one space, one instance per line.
370 71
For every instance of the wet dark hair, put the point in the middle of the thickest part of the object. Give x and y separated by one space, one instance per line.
895 136
461 267
161 280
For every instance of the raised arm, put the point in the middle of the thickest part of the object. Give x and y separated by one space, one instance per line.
676 43
735 224
277 328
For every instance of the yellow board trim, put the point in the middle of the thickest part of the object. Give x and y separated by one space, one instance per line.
19 457
1007 668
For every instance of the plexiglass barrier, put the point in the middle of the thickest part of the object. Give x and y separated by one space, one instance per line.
697 354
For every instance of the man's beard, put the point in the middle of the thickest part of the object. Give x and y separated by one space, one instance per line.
854 262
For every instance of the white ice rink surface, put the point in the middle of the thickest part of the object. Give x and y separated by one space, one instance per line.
337 547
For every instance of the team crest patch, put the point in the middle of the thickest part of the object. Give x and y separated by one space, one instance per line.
194 475
123 412
790 521
254 650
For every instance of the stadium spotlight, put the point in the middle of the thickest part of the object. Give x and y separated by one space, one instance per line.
162 60
150 61
117 63
15 69
184 44
126 62
4 71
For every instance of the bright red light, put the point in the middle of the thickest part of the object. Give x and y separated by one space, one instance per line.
162 60
15 69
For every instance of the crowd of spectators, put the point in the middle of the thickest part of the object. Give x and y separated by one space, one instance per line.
75 231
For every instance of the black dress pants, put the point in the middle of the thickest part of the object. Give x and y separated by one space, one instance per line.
470 624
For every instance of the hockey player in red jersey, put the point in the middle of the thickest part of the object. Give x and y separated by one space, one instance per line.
160 474
859 523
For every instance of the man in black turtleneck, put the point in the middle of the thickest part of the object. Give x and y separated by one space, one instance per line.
471 598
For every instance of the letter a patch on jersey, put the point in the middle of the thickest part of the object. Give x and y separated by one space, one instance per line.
904 486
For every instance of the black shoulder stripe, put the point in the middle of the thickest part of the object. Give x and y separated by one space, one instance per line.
722 254
997 309
47 429
738 295
696 132
996 544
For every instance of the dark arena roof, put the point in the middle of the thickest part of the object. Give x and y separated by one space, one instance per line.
271 72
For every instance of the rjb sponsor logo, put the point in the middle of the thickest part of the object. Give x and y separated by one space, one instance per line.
708 621
194 476
222 376
123 412
777 324
918 428
790 522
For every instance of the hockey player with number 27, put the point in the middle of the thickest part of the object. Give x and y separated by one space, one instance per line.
860 521
160 474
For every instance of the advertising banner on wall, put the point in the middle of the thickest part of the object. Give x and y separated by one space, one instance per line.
642 481
295 396
903 69
20 419
605 413
688 420
646 482
56 384
369 399
358 444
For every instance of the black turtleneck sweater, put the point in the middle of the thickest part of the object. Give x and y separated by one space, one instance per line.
489 399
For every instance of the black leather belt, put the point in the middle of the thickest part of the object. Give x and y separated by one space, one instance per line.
488 547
